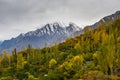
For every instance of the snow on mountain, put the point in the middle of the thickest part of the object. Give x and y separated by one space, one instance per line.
48 34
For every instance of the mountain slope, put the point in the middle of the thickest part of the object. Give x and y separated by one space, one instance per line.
50 34
88 56
45 36
0 42
106 19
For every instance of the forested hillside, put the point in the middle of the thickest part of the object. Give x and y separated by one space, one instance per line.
94 55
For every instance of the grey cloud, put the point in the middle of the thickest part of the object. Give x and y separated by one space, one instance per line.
18 16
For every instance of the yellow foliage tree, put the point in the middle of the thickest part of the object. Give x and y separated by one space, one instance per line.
20 61
52 63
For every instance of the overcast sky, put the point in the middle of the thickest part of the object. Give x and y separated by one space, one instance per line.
21 16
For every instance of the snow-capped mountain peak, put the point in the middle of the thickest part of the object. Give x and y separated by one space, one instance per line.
49 29
48 34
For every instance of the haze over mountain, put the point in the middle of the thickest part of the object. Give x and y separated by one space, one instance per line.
49 34
19 16
46 36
